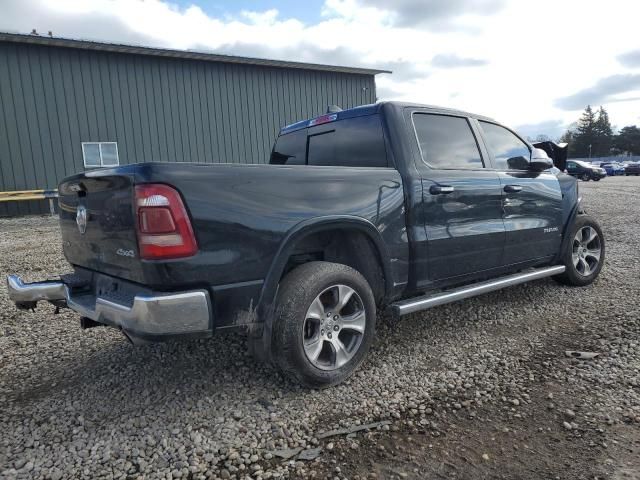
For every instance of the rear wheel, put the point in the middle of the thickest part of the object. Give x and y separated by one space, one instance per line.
584 253
585 177
324 323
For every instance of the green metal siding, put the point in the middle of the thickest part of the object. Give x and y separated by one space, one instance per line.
157 109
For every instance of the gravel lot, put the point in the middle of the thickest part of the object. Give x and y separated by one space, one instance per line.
477 389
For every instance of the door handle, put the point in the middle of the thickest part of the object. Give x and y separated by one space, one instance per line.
513 188
440 189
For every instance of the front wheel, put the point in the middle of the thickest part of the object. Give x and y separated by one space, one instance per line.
583 254
324 323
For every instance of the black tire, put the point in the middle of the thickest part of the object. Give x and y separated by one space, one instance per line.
296 293
572 275
596 179
585 177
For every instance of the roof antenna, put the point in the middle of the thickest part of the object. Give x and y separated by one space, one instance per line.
50 33
333 109
34 32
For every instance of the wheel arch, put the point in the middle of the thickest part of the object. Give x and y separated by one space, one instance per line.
294 237
318 225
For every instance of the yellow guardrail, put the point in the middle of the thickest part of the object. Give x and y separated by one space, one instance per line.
20 195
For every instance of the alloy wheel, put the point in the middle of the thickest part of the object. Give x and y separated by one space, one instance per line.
334 327
587 250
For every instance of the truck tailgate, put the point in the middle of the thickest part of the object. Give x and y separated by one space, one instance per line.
98 223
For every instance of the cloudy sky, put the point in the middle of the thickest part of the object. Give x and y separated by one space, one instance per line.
530 64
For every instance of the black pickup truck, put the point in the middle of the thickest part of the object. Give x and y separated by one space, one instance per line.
390 206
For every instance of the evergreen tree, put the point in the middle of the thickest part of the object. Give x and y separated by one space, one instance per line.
567 137
603 135
594 129
584 135
628 140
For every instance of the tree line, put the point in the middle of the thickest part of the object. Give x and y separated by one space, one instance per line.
593 136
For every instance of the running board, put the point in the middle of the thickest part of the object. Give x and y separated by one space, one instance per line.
411 305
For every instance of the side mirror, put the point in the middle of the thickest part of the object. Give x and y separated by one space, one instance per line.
540 161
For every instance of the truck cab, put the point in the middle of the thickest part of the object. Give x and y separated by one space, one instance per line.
475 206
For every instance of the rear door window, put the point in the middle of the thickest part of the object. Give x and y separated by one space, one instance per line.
446 142
509 152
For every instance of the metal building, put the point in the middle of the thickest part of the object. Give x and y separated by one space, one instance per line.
68 105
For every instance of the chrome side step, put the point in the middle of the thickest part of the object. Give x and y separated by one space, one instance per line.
411 305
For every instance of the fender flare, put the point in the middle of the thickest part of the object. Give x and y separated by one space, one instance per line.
577 210
266 303
315 225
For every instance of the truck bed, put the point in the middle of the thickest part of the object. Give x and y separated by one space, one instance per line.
240 214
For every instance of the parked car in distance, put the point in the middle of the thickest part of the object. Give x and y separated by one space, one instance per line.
632 168
394 206
613 168
585 171
620 168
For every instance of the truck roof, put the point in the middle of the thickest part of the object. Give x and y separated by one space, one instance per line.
373 109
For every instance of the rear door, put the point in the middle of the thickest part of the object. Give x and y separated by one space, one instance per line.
532 201
462 200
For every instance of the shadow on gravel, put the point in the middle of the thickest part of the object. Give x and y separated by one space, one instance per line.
148 377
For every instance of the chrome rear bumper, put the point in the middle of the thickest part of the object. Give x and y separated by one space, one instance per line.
23 293
146 316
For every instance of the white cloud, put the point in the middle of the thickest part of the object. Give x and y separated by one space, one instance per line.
519 59
268 17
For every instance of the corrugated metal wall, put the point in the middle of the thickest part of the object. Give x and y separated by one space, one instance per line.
157 109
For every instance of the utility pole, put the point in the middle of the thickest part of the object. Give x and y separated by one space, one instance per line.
589 151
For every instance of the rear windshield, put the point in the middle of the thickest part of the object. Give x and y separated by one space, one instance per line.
352 142
290 149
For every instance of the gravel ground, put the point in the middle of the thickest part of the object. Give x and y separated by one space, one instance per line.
480 388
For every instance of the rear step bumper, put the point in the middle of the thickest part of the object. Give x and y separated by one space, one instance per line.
411 305
26 295
147 317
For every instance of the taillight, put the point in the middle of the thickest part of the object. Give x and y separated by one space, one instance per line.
164 228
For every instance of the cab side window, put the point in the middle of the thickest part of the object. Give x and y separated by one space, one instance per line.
509 152
446 142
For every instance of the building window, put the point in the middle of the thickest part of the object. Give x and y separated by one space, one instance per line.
100 154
